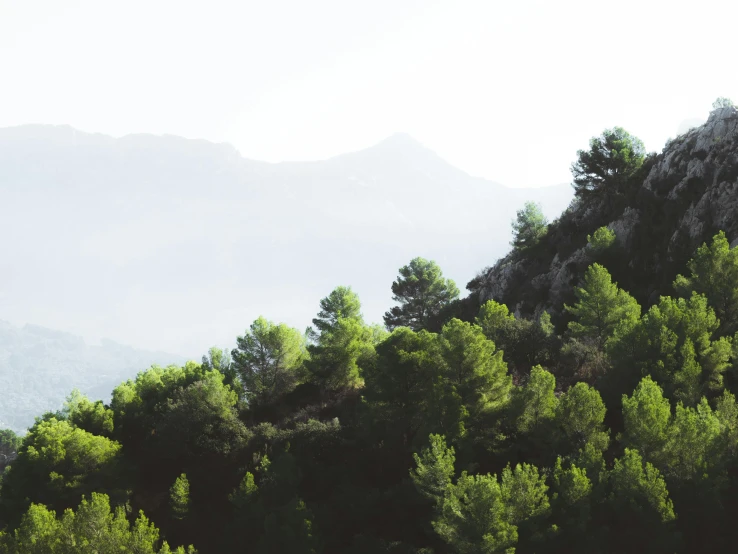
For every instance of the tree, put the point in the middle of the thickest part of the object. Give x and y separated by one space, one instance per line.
580 417
647 415
92 529
179 497
422 293
612 159
343 340
400 380
341 303
673 342
56 464
474 365
722 102
528 226
713 271
474 519
269 359
434 469
9 442
602 309
537 400
602 239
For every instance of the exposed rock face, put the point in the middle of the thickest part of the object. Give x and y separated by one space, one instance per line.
690 193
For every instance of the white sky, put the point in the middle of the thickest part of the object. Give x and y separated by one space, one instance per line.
504 90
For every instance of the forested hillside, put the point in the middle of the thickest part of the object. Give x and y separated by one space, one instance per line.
39 367
580 400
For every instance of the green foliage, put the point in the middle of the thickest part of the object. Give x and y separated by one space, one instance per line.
524 343
269 360
603 311
92 529
93 417
179 497
640 488
341 303
9 442
434 469
399 382
612 159
571 498
474 518
580 416
602 239
422 293
529 226
537 400
473 367
673 342
56 464
713 272
344 342
646 416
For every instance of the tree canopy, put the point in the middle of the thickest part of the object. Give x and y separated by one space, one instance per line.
612 159
422 293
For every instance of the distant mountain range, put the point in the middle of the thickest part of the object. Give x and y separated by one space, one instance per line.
175 244
39 367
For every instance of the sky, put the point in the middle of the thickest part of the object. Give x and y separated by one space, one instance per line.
508 91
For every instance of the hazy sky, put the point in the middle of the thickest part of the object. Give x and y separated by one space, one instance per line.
504 90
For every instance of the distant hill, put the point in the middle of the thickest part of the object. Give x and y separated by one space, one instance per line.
164 242
39 367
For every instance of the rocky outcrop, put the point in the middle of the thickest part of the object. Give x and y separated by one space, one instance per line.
689 193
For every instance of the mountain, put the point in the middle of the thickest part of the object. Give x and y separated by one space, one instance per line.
686 195
39 367
164 242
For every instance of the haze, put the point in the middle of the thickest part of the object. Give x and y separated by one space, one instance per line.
505 92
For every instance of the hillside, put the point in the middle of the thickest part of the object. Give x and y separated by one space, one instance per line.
39 367
685 195
581 399
106 237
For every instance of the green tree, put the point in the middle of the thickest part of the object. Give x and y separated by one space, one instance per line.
400 380
269 360
537 400
434 469
524 343
713 272
602 239
571 498
9 442
524 492
93 417
92 529
673 342
179 497
343 343
602 310
221 360
341 303
580 417
529 226
612 159
422 293
56 464
647 415
474 519
474 368
640 486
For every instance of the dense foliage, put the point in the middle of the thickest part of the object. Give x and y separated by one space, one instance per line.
614 432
